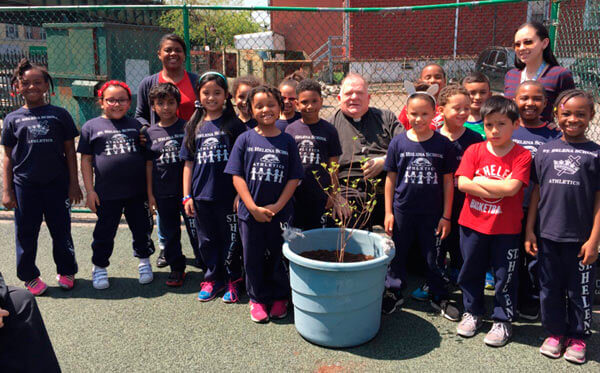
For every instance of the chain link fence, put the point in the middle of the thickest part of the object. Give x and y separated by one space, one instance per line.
83 46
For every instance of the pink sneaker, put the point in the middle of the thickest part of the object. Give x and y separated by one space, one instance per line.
66 281
575 352
279 309
36 286
258 312
552 347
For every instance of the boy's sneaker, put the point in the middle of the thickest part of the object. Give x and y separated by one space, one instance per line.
208 291
552 346
279 309
421 294
575 352
161 261
499 335
446 309
392 299
258 312
529 310
66 281
145 271
490 281
231 295
469 325
100 278
176 278
36 286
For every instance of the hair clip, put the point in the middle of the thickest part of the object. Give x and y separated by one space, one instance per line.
197 104
412 91
111 83
12 94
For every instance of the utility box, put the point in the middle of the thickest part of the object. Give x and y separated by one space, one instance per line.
267 40
82 56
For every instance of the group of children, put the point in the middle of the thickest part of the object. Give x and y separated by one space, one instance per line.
236 180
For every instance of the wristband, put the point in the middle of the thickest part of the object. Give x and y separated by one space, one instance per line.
185 199
445 218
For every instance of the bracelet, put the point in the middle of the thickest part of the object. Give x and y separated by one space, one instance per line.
445 218
185 199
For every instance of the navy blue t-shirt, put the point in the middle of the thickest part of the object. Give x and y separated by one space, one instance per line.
421 167
213 149
37 138
569 177
468 138
531 139
267 164
283 123
162 148
119 164
316 144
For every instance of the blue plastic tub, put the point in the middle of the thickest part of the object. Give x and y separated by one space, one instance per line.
337 304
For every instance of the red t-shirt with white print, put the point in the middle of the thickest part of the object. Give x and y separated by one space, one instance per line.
494 216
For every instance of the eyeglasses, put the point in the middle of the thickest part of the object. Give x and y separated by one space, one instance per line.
114 101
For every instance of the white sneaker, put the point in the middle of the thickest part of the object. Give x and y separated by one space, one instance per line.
145 270
100 278
499 335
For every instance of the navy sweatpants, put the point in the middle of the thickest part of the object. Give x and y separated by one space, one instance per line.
139 220
309 207
266 276
49 202
529 290
480 251
409 228
566 289
451 245
170 209
216 225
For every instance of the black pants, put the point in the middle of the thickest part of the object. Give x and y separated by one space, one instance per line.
24 342
171 210
362 191
140 223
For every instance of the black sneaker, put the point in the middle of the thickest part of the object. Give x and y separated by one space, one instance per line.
392 299
446 309
529 310
161 262
176 278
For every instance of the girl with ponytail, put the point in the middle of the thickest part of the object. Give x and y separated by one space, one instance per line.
208 192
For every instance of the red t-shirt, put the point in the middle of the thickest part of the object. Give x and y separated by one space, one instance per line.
501 216
188 96
436 123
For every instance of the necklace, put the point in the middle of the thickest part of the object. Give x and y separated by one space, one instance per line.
539 72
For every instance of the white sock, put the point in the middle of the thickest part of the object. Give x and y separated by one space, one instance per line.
144 261
96 268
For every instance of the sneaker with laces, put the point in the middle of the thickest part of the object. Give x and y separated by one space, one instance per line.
469 325
209 290
445 308
100 278
575 352
552 346
392 299
529 310
490 281
66 281
499 335
145 271
231 295
176 279
258 312
421 294
161 262
36 286
279 309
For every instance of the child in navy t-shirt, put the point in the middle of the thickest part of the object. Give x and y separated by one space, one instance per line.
164 174
208 192
533 132
318 143
289 95
418 202
113 168
266 170
40 176
567 198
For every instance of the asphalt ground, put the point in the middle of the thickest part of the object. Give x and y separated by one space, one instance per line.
150 328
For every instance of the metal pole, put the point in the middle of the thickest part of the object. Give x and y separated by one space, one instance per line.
456 30
186 36
554 11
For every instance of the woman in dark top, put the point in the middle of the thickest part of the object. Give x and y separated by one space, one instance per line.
534 60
